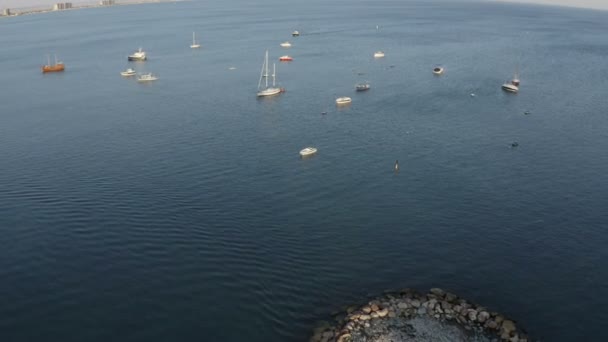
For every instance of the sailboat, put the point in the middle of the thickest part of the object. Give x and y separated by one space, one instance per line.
515 80
268 91
194 45
58 66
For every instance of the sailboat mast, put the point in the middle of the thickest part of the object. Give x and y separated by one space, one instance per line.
48 59
266 63
274 72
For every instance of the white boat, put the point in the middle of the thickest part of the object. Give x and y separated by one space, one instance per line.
510 87
308 151
286 44
438 70
146 77
194 44
362 86
343 100
128 72
139 55
295 33
378 54
266 90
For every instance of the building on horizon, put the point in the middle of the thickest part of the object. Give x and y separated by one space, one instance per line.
6 12
107 2
62 6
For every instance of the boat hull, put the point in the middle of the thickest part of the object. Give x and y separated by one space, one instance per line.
308 151
285 59
135 59
343 100
269 92
53 68
510 88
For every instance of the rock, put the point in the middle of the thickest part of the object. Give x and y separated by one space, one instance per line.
421 311
491 324
392 314
445 305
375 307
365 317
416 303
499 319
351 309
472 315
366 309
344 338
374 314
402 306
456 308
438 292
353 317
514 339
450 297
508 326
382 313
483 316
367 325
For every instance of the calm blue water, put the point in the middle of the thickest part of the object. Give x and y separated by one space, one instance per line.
180 210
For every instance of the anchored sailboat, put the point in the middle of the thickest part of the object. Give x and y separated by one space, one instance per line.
268 91
194 45
58 66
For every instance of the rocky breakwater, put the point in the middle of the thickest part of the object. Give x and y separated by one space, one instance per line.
408 315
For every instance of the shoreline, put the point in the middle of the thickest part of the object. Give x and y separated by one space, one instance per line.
406 315
31 11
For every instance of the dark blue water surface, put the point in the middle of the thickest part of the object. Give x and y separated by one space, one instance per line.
181 211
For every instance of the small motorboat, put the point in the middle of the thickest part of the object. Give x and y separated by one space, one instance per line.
510 88
308 151
146 77
139 55
343 100
128 72
362 86
286 44
378 54
295 33
438 70
286 58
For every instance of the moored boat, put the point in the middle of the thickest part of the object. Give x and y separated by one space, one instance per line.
285 58
308 151
438 70
295 33
286 44
512 88
362 86
343 100
146 77
378 54
128 72
139 55
268 91
58 66
194 44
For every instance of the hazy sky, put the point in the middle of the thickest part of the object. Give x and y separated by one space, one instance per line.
600 4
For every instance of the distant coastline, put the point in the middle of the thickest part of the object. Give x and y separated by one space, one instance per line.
38 10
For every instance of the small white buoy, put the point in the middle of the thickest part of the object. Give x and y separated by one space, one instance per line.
472 94
396 165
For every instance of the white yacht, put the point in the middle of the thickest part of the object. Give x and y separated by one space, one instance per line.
438 70
308 151
146 77
139 55
343 100
510 87
286 44
128 72
295 33
378 54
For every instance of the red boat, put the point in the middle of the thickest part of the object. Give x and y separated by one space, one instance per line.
58 66
285 58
